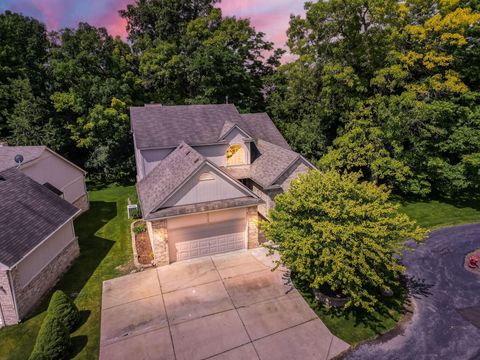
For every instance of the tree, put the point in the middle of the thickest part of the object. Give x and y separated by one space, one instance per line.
214 58
64 309
53 340
162 20
333 230
91 70
23 56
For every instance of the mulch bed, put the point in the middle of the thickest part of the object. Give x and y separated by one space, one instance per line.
144 248
467 262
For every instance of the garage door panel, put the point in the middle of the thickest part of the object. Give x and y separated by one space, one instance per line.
207 230
209 246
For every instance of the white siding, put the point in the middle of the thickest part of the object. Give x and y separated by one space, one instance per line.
196 191
29 267
56 171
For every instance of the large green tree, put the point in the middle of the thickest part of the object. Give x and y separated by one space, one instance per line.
90 70
24 49
215 58
333 231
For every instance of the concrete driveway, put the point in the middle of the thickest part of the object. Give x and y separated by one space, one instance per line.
228 306
446 320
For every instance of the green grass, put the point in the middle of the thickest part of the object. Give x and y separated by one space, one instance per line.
357 326
105 244
441 213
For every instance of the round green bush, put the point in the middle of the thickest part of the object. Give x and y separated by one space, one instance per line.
63 308
53 340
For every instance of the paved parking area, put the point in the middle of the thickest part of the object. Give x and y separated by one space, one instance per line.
222 307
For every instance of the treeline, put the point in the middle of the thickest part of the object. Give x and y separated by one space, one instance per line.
71 89
387 88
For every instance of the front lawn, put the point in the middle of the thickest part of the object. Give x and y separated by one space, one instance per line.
105 245
440 212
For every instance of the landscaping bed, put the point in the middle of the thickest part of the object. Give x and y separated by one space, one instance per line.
142 249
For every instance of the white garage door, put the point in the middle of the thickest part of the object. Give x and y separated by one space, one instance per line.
207 239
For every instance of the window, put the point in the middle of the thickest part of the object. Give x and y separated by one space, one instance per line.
235 155
206 176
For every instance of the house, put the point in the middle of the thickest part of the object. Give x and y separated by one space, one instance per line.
48 168
204 174
37 242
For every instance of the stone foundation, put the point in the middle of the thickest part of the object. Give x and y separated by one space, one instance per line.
157 231
30 296
252 227
82 203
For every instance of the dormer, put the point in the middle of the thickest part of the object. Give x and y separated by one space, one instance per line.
238 151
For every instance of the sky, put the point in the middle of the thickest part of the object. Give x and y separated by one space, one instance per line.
268 16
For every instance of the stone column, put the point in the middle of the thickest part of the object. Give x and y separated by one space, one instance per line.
7 304
160 242
252 224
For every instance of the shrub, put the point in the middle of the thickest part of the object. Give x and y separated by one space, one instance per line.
137 229
334 231
63 308
52 341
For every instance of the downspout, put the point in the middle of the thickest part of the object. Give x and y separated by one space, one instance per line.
12 290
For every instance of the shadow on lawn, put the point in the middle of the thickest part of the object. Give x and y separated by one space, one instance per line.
93 250
388 308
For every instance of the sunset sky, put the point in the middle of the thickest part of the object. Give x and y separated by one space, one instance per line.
270 16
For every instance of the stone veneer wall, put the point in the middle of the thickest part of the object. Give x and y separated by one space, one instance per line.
30 295
8 316
252 230
82 203
159 238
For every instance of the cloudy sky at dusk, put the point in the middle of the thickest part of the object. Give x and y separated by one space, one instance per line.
269 16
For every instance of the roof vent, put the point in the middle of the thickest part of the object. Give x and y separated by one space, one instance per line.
18 159
2 178
188 152
196 160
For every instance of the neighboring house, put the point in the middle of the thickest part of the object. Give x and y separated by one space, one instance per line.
204 172
37 243
50 169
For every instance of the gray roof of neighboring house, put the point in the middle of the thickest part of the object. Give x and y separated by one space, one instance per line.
29 153
29 213
8 153
157 126
167 176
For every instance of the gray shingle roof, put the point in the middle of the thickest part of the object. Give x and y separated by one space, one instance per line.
170 173
29 212
272 162
167 126
8 153
260 126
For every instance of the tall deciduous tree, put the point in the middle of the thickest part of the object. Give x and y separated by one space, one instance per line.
333 231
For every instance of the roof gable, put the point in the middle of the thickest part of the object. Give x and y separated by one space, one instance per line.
208 183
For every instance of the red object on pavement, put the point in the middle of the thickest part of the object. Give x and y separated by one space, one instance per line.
473 261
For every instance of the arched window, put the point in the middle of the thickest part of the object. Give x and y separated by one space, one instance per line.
235 155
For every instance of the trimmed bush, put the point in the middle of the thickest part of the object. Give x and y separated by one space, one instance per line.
53 340
64 309
140 228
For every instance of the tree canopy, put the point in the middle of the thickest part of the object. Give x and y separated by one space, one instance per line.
390 92
334 230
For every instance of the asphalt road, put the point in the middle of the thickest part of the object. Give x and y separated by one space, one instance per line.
447 303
